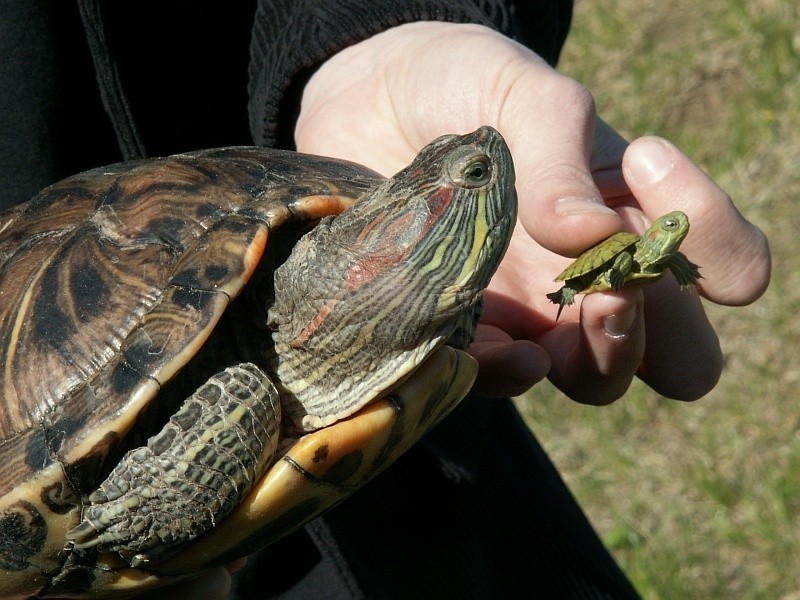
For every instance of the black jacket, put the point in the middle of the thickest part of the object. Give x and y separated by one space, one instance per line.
189 74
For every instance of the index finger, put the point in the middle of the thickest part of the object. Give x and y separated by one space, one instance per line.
548 121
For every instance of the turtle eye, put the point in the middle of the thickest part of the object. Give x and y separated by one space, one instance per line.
474 172
478 172
670 224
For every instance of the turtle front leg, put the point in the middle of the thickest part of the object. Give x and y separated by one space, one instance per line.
191 474
620 270
685 271
563 297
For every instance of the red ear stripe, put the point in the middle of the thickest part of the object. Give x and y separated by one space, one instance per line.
437 204
394 242
378 258
364 234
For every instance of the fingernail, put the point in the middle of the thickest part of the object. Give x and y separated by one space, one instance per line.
575 205
619 324
653 161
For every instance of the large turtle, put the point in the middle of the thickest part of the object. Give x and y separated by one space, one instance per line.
154 299
627 258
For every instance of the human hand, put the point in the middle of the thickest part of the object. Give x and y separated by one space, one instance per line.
380 101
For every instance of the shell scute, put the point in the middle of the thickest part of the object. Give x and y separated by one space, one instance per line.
98 250
600 255
83 472
38 454
67 308
225 258
59 498
171 333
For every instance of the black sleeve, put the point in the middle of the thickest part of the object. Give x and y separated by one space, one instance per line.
291 38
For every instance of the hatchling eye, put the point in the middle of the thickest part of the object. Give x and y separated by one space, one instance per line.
670 224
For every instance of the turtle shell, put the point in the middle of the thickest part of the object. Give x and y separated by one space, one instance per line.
111 281
597 257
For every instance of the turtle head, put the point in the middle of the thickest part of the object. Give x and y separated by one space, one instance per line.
668 232
454 208
366 296
439 228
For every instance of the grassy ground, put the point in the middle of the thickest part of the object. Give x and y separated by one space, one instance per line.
701 500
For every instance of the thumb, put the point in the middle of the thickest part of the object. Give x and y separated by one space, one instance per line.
732 252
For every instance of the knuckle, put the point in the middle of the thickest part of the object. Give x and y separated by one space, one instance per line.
576 97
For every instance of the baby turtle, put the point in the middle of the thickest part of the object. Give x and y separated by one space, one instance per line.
626 258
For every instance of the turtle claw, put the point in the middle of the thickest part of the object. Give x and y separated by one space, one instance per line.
617 280
563 297
558 314
685 271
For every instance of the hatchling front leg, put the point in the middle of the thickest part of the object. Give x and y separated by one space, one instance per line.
685 271
191 474
620 270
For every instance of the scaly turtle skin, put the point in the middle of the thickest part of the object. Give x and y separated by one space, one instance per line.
170 299
627 258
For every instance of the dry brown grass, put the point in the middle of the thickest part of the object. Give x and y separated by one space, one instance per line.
701 500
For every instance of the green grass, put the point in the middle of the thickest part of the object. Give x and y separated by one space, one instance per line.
701 500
